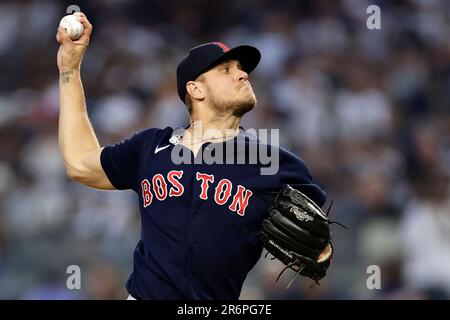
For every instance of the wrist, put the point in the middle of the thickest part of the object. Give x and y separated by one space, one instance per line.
69 69
66 75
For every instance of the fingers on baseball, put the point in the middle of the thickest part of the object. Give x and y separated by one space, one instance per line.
85 22
79 14
62 36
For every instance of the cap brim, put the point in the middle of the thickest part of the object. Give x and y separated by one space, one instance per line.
248 56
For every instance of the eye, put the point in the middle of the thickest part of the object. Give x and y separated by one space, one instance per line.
225 68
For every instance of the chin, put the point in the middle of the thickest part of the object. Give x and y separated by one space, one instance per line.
244 106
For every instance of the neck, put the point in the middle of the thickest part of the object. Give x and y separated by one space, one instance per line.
208 126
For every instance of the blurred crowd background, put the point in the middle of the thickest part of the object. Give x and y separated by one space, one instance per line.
368 110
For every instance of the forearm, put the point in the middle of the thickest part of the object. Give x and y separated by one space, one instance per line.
76 135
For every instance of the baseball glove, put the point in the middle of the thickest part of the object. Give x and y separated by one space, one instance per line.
297 232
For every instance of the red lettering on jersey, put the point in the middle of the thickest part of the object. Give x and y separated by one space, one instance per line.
206 180
160 189
224 187
146 194
241 200
179 187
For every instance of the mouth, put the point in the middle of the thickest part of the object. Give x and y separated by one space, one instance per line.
245 85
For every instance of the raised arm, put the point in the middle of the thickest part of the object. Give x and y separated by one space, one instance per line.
77 140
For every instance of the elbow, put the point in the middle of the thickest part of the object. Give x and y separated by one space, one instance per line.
74 173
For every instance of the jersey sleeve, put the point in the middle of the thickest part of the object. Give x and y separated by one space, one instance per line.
293 171
121 160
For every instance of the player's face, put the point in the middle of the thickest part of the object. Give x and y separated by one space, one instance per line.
228 88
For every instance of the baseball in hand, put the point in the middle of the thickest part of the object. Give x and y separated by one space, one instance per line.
72 26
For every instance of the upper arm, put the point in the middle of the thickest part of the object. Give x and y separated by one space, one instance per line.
115 166
91 173
293 171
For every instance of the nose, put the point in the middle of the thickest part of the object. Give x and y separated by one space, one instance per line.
243 76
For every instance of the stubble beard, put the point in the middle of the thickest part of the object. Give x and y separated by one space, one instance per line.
238 107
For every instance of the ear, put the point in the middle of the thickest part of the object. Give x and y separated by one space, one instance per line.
196 90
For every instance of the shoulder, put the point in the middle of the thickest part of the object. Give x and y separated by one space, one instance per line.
290 158
268 152
292 164
141 140
149 135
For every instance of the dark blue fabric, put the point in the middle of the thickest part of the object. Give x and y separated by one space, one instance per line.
193 248
206 56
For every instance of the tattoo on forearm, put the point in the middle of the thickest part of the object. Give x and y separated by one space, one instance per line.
65 76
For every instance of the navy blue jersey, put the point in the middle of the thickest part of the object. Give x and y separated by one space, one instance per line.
199 222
